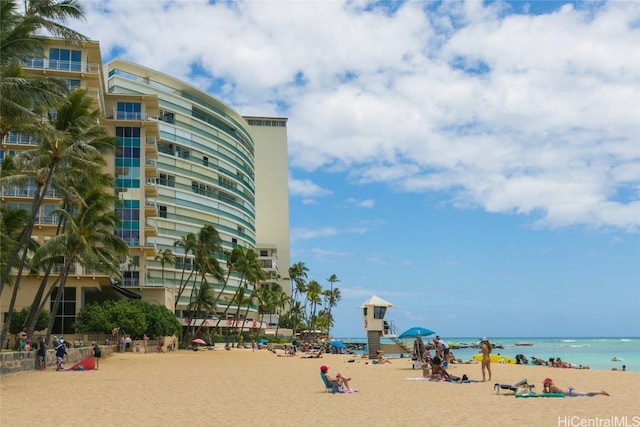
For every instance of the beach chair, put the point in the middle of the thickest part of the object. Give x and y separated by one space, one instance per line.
520 385
330 388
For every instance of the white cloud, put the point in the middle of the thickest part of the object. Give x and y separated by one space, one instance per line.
366 203
306 188
314 233
525 114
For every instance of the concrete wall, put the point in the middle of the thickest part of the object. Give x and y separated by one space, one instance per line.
12 362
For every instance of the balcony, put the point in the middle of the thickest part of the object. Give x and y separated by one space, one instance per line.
150 208
20 139
151 147
150 230
46 65
151 188
150 168
26 192
126 116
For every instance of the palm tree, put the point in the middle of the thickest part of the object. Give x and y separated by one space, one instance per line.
202 303
281 301
245 263
331 279
314 290
76 145
331 297
74 138
265 297
188 245
298 277
208 245
88 239
20 40
165 257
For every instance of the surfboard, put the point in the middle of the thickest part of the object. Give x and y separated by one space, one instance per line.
496 358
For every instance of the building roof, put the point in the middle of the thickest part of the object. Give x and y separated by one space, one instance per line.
377 301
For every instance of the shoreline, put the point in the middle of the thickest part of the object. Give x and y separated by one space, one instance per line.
223 387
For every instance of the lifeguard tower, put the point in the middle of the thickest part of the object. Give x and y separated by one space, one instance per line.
373 311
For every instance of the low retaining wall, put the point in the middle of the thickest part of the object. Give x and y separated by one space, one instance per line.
12 362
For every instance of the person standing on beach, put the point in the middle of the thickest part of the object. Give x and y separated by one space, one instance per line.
42 354
97 354
145 342
486 357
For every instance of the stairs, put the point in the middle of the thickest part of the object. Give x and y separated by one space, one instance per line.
400 344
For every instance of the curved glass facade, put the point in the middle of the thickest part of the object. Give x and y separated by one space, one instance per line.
205 167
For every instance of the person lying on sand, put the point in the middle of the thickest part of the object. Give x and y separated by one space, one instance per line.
549 387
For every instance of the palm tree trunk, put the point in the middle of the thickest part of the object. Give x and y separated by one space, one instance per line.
63 280
26 234
14 295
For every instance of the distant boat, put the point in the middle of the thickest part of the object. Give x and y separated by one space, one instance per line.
523 344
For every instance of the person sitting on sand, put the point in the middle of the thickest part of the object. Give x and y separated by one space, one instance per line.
381 359
339 380
437 370
549 387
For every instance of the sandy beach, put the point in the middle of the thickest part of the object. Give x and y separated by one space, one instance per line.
228 388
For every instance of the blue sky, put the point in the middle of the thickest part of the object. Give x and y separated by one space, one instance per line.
477 164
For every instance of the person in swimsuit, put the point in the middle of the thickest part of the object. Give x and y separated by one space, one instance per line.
486 358
549 387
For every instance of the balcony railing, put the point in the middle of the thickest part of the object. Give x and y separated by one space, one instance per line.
20 138
59 65
26 192
127 115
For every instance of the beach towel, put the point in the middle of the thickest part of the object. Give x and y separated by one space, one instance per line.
84 365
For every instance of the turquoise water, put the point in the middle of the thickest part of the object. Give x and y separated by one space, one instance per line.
597 353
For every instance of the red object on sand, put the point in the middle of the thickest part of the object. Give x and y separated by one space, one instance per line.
87 363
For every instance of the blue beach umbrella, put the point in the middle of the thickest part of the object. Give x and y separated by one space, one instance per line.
263 341
336 344
415 332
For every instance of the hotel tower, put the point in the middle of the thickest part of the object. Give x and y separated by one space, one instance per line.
184 159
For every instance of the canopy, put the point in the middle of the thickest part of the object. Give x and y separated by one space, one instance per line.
263 341
376 301
416 331
336 344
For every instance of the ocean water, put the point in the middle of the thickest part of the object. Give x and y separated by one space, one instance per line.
597 353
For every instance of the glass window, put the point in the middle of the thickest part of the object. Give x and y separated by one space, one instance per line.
65 59
66 314
378 312
129 110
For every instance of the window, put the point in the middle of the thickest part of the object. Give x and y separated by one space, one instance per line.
73 84
129 111
127 160
264 252
65 59
378 312
205 160
167 180
234 242
162 211
66 314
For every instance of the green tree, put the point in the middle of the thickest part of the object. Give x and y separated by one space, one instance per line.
74 138
188 245
89 239
331 300
298 276
19 39
18 320
165 257
314 291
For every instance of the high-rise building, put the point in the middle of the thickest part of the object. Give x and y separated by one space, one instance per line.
184 160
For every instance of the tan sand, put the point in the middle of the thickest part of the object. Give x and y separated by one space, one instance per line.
241 387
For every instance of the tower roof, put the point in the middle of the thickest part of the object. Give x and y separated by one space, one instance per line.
377 301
